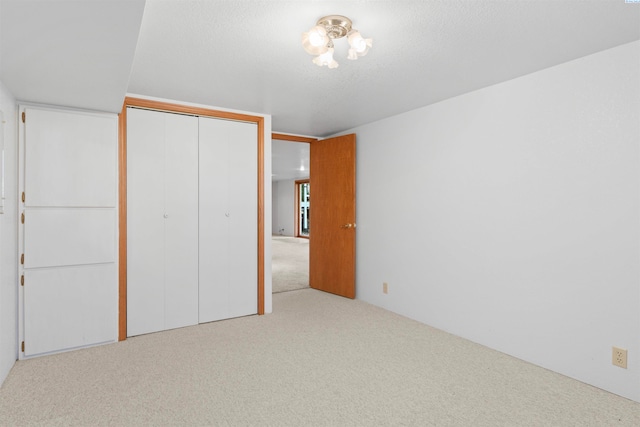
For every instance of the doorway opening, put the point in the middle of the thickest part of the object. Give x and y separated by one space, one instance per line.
290 212
331 255
303 208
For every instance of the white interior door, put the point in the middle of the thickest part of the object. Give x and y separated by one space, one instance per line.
228 219
68 237
162 221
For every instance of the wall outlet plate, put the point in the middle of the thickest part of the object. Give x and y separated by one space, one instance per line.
619 357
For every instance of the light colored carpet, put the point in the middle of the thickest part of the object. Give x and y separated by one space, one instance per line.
317 360
289 263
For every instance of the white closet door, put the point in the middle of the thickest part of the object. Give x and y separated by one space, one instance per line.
162 223
181 221
228 219
68 238
145 222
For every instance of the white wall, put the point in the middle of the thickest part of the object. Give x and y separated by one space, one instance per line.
9 239
510 216
284 207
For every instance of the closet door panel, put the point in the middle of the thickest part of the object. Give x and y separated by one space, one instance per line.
67 232
69 236
83 143
181 222
145 221
243 223
162 216
77 300
214 236
228 219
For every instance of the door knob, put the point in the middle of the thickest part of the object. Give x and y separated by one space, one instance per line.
348 226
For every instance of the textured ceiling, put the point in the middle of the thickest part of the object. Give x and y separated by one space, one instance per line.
247 54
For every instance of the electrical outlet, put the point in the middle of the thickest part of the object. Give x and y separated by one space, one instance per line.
619 357
385 288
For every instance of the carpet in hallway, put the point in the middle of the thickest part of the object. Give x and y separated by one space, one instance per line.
289 263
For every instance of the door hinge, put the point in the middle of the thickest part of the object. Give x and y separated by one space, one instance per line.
22 280
22 218
22 346
24 116
23 197
22 259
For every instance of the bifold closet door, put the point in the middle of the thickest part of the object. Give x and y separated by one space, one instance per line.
162 221
228 244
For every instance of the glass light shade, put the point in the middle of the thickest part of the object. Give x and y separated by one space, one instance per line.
315 41
359 45
326 59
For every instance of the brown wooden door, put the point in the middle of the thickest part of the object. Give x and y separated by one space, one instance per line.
332 242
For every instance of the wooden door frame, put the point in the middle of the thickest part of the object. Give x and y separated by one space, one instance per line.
292 138
122 189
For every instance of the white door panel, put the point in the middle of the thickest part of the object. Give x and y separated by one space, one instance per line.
162 209
145 222
145 275
214 214
181 222
79 301
70 159
62 237
228 219
68 172
243 224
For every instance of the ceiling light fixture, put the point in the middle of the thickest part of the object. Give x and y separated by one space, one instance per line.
319 40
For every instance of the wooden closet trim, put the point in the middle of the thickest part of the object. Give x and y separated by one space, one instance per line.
122 186
122 222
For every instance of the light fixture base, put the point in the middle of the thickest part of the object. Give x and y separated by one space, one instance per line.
337 26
